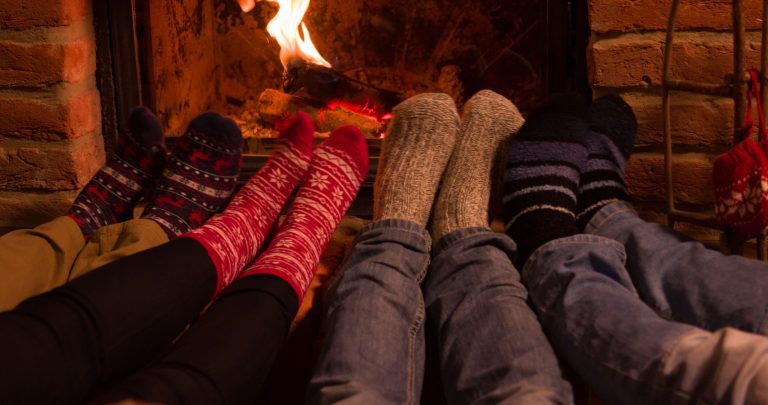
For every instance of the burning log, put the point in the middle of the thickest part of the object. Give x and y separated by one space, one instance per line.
327 85
274 106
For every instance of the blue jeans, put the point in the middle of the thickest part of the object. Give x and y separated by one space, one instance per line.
587 290
491 347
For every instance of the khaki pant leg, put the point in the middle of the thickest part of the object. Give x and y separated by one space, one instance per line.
116 241
727 366
33 261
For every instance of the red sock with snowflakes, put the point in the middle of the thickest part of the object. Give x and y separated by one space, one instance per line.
200 175
233 238
113 191
337 170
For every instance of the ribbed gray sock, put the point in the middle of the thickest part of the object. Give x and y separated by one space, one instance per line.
489 121
415 151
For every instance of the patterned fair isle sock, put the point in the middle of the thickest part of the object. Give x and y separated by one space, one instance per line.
416 150
233 238
339 167
489 121
200 175
542 175
609 143
114 190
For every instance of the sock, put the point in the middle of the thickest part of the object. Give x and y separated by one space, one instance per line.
200 175
542 175
334 177
233 238
416 150
609 142
489 120
115 189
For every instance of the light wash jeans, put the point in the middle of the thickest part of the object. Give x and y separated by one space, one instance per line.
584 290
491 347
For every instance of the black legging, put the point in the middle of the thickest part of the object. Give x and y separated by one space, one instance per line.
57 347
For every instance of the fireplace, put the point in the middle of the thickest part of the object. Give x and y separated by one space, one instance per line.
182 57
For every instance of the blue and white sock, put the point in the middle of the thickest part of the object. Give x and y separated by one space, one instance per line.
609 142
542 176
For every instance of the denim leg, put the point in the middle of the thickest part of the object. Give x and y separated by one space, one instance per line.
683 280
373 350
492 348
621 347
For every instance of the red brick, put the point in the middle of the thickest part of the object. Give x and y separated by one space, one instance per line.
63 165
697 120
692 178
31 118
41 64
24 14
636 59
630 15
29 209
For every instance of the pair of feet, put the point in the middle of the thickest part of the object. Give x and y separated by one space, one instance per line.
566 163
328 179
427 144
189 185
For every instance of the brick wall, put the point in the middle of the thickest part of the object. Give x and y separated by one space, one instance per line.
625 57
50 119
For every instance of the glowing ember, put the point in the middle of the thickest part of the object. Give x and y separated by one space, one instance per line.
285 29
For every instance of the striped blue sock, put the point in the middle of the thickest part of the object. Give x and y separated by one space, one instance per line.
542 176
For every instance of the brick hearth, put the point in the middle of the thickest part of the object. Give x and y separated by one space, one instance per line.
625 57
50 120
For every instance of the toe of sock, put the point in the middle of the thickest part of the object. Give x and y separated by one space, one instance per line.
145 126
300 130
561 117
350 139
612 116
219 130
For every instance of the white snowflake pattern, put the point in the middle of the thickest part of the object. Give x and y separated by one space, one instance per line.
319 181
278 178
338 195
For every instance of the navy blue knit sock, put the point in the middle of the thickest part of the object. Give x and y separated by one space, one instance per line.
542 174
609 142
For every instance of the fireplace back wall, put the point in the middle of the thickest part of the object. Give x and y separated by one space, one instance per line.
198 55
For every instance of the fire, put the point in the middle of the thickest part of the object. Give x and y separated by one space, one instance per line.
284 27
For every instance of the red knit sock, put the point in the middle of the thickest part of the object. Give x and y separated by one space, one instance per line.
338 168
233 238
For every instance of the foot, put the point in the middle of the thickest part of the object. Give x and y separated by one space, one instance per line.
610 142
489 121
115 189
200 175
416 150
542 175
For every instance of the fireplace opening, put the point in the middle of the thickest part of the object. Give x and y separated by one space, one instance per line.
184 57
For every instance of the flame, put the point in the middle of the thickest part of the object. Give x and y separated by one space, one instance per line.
284 27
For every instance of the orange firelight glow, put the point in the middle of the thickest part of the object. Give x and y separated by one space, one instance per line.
284 27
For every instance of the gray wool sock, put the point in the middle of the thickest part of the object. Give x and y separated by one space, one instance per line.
415 151
489 121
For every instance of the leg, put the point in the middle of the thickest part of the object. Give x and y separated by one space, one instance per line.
113 242
373 350
627 353
226 355
492 348
36 260
683 280
677 277
55 347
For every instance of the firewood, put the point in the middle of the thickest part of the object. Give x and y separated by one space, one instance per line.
274 106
